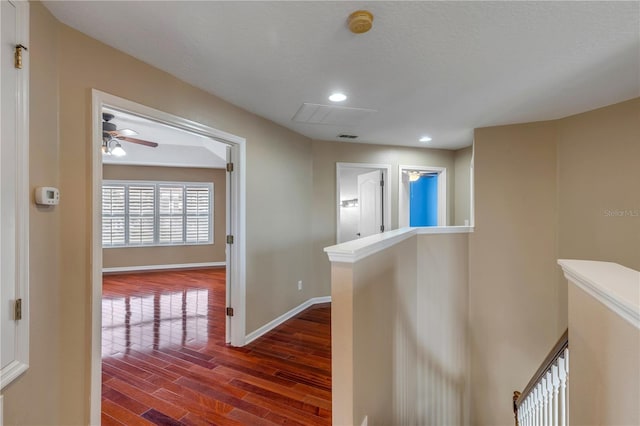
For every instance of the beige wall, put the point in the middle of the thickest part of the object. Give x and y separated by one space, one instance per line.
542 191
34 398
513 293
604 350
399 334
512 253
65 66
142 256
442 365
325 156
598 177
462 187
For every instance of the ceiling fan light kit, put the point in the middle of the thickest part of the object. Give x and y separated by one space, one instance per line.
118 151
360 21
112 146
111 137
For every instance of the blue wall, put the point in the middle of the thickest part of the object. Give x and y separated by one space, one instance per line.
423 201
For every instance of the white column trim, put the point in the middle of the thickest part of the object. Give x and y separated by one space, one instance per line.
615 286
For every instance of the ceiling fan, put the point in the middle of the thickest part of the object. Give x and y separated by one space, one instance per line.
111 137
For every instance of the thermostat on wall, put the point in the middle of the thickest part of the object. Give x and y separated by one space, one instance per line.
47 196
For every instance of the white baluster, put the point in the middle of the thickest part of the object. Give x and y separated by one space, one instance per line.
539 404
535 405
545 401
555 382
550 392
566 360
562 375
543 419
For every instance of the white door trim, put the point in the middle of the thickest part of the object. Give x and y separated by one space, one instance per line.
403 194
236 252
386 193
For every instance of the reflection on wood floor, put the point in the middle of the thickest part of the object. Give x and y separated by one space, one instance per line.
165 361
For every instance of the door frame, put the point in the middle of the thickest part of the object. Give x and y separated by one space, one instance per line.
403 193
236 226
386 193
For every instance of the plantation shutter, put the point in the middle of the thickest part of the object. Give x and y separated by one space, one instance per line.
171 212
141 214
113 215
198 214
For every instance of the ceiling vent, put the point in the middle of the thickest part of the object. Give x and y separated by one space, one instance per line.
331 114
346 136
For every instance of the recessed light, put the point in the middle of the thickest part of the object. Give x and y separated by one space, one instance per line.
337 97
425 139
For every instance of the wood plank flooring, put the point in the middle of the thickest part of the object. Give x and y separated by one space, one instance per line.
164 360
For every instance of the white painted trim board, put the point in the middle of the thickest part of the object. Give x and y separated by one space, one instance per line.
117 269
615 286
356 250
284 317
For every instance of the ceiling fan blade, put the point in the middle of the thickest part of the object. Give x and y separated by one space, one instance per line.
138 141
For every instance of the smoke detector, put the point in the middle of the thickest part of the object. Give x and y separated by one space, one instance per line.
360 21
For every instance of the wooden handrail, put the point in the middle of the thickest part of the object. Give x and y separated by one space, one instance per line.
555 353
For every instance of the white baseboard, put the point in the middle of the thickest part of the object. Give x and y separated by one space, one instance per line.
161 267
284 317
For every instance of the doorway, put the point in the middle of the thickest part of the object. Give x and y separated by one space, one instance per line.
422 196
362 192
234 241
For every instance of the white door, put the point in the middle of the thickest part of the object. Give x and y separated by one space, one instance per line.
14 211
370 203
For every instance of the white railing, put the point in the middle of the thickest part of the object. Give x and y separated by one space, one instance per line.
544 402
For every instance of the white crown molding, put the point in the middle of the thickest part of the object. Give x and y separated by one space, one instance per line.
615 286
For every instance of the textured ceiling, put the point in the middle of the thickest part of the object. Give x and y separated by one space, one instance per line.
436 68
176 148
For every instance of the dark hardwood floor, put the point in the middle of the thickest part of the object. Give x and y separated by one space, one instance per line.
164 360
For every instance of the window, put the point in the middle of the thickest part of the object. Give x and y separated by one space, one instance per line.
156 213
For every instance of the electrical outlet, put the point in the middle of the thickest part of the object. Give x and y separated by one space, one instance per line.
299 284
